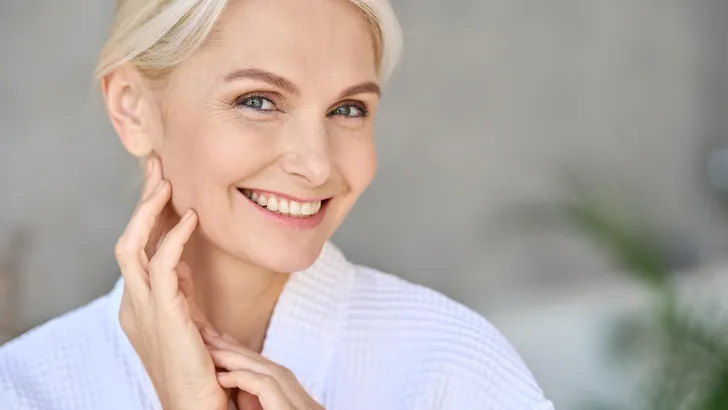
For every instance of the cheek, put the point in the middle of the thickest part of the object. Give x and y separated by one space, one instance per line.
203 159
358 164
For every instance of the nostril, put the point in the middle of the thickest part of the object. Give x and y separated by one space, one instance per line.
313 167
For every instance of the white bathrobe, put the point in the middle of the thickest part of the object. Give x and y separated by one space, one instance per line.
356 338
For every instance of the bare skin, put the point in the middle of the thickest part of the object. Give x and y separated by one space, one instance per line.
163 322
280 100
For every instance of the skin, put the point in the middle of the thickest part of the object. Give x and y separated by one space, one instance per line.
221 121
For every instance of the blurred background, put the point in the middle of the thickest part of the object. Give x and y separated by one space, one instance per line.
560 166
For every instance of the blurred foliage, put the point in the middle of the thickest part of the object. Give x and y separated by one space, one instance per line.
686 349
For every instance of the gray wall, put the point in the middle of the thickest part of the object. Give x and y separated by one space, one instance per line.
492 98
495 97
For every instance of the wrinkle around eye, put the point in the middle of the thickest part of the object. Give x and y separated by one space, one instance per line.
223 111
220 111
224 116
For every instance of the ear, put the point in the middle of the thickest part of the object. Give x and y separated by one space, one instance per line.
131 109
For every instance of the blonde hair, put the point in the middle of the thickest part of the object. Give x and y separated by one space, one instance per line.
157 35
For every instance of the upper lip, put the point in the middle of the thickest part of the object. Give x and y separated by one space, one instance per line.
283 195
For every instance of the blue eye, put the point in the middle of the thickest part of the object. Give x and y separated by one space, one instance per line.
256 102
350 111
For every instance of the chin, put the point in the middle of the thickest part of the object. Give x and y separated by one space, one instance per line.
284 259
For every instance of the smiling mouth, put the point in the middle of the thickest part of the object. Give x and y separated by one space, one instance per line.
283 206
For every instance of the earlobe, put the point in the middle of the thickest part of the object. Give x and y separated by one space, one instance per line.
126 108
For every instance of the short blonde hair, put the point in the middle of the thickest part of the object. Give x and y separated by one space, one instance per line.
157 35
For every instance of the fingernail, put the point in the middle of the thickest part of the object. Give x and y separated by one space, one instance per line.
208 331
187 215
213 342
160 185
229 338
149 167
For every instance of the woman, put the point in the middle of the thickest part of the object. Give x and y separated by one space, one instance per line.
255 122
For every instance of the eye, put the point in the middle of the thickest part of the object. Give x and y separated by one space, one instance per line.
349 110
256 102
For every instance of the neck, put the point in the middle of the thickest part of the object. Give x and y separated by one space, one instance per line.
236 297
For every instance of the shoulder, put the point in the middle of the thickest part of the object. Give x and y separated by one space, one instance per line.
55 359
426 316
451 354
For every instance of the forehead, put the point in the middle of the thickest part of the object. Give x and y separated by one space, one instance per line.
298 39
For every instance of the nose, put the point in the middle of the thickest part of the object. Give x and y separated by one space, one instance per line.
308 155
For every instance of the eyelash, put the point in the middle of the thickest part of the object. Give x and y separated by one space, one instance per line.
240 103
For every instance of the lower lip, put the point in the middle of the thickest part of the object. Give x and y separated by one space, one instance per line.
290 221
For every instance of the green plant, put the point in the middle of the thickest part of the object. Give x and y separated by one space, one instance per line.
686 346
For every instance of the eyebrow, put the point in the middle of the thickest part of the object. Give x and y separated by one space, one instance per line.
265 76
368 87
289 86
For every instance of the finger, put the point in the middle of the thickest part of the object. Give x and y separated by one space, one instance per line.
230 360
225 342
164 224
216 340
164 281
264 387
152 177
246 401
208 331
187 288
130 246
145 216
184 276
166 220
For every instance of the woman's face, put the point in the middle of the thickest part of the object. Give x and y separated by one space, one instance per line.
276 108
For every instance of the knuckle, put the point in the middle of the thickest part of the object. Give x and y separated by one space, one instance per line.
156 264
126 319
146 202
146 208
120 246
281 372
145 212
267 382
122 250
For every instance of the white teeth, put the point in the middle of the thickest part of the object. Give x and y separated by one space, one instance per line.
295 208
283 206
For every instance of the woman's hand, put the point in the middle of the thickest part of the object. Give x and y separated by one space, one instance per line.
261 384
157 312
